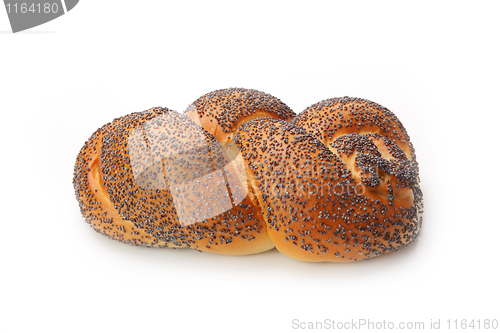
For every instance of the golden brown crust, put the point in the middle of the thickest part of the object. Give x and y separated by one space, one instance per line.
94 203
332 118
221 112
356 121
379 165
169 177
234 176
314 209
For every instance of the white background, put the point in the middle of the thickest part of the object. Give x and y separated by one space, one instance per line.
435 64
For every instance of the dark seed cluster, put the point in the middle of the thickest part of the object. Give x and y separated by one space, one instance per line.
372 165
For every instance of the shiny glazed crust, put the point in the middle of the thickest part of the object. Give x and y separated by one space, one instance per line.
373 144
94 202
238 173
153 208
343 186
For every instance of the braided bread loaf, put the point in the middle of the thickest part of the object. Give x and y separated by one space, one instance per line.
238 173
